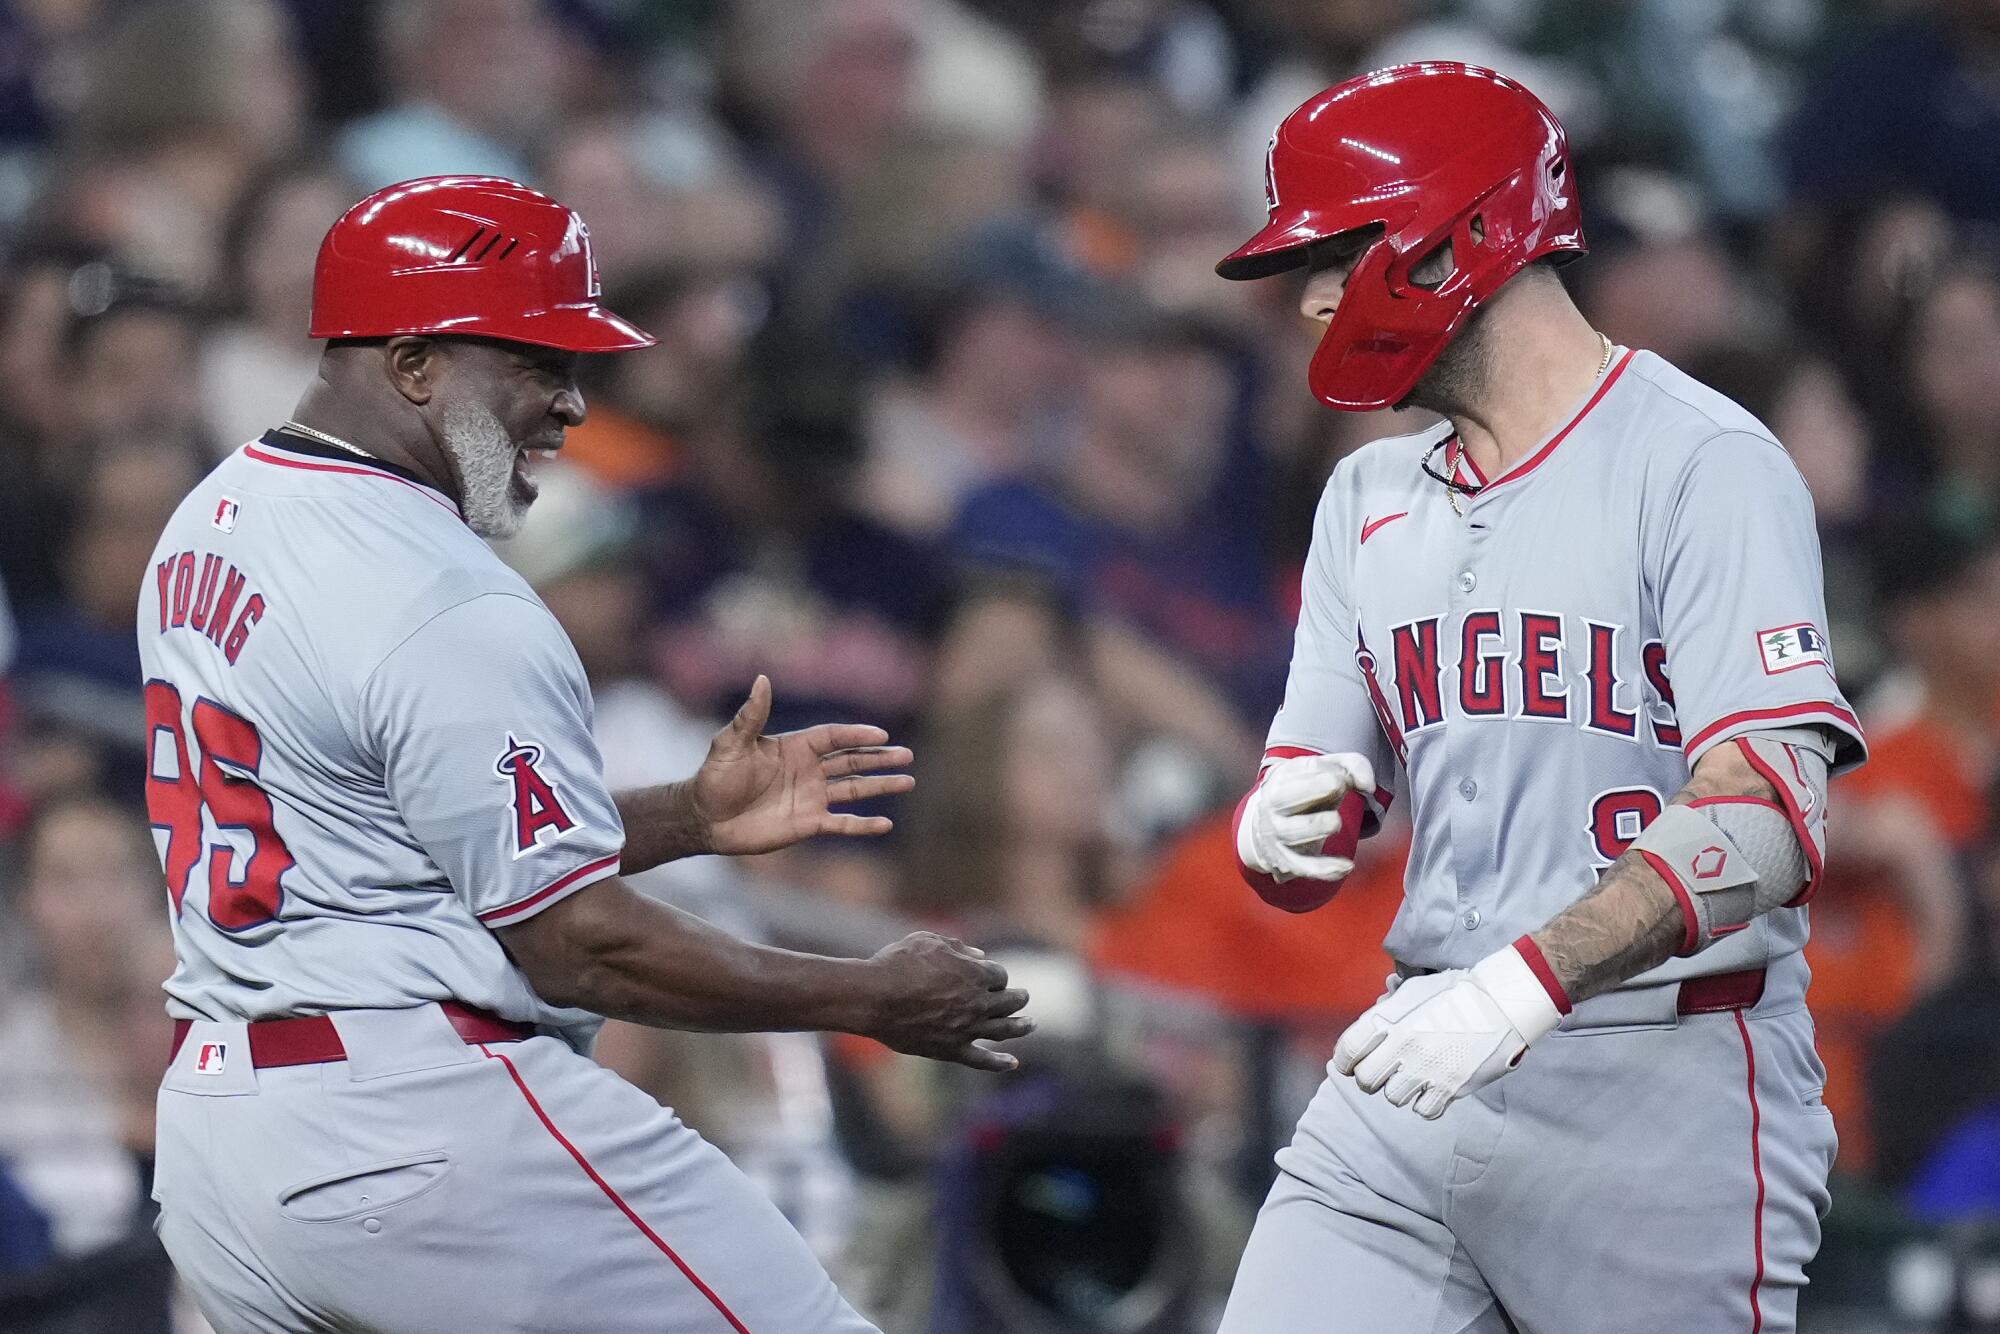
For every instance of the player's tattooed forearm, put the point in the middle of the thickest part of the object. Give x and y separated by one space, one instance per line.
1630 922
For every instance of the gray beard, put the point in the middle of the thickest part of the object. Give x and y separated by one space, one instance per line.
1456 382
484 455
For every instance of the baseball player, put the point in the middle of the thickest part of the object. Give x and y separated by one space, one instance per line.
1579 626
394 866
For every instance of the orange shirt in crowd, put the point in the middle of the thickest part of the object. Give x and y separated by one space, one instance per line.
622 452
1196 927
1863 958
1923 758
1863 949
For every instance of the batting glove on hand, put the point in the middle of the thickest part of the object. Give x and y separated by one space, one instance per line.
1436 1038
1295 810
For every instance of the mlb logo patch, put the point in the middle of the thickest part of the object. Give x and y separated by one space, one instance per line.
1790 647
224 519
211 1058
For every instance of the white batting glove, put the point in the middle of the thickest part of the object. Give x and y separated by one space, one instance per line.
1436 1038
1295 810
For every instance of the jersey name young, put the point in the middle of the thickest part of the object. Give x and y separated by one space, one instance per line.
204 592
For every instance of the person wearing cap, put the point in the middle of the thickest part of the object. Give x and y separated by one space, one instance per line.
395 870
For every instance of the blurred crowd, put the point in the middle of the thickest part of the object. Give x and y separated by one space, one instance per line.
951 428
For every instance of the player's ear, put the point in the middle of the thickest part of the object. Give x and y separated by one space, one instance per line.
412 364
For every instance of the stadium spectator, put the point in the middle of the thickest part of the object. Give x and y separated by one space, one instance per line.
1120 520
1015 796
474 81
186 100
78 663
1676 292
1894 920
1934 723
1951 345
1938 1146
1906 109
1008 842
663 192
756 563
258 360
1185 203
988 379
826 87
1097 134
1193 926
82 1038
645 406
133 353
1004 626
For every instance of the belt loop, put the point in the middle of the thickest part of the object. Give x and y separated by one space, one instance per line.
396 1042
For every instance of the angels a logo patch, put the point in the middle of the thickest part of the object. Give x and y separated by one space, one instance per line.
539 815
1789 647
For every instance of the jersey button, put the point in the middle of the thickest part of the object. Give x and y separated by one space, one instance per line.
1468 789
1466 580
1471 919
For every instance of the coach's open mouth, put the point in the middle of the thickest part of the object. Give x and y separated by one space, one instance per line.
526 462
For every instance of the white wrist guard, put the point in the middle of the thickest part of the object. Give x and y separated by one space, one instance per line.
1527 999
1732 859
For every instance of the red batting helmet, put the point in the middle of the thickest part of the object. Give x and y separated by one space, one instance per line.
1431 152
474 255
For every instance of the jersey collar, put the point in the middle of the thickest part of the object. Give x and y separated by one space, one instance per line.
1541 455
287 449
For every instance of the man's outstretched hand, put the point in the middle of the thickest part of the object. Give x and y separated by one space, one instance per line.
942 998
757 793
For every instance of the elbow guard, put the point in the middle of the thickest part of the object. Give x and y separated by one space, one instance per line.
1732 859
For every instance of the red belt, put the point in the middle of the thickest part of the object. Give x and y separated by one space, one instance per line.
313 1039
1698 995
1721 991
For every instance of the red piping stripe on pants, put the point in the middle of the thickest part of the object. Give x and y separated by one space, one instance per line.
613 1195
1757 1169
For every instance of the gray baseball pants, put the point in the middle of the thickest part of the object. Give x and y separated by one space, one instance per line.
1641 1171
425 1186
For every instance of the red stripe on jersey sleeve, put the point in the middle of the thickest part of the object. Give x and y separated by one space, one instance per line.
588 873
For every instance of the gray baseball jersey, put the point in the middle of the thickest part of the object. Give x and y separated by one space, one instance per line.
370 745
1546 668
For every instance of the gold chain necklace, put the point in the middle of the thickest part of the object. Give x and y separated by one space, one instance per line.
1457 451
326 439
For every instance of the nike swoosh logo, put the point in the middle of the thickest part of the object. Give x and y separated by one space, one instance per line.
1368 529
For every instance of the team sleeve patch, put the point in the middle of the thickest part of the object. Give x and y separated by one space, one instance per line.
1786 648
539 815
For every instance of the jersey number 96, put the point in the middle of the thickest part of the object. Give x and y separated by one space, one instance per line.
175 800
